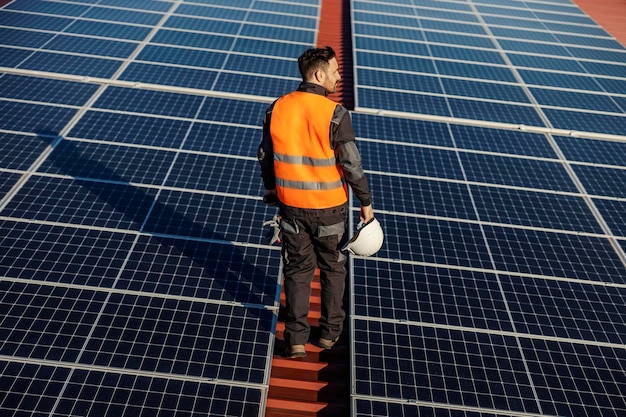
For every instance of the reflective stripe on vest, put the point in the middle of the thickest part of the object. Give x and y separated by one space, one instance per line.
307 175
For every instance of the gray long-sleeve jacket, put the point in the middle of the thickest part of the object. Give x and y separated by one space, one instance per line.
342 140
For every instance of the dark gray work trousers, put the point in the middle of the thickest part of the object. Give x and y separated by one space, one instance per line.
313 238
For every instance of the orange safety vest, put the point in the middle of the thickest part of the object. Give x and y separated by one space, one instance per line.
306 171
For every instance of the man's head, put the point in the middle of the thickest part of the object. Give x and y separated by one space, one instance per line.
319 66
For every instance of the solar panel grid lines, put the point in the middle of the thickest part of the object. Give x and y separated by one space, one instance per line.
555 320
423 107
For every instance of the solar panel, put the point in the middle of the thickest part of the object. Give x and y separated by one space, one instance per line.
135 277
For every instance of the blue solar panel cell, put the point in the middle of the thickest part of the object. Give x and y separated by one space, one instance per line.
47 7
505 11
443 25
72 64
401 101
33 21
91 46
205 216
570 99
389 31
287 34
34 118
223 27
392 46
434 365
369 407
32 312
13 57
591 29
46 90
577 379
603 68
108 30
24 38
226 13
258 85
230 3
66 255
601 181
396 62
477 71
534 47
418 196
149 102
235 111
77 202
311 9
125 128
195 40
203 269
466 54
558 79
593 151
612 85
458 40
543 62
564 309
494 111
411 160
586 121
400 7
108 162
7 182
400 130
478 89
180 56
269 48
527 208
154 6
509 32
123 16
258 65
562 255
502 141
117 394
616 56
19 152
282 19
29 388
614 214
559 6
215 173
406 19
431 13
440 296
398 80
168 75
593 41
433 241
520 172
181 337
223 139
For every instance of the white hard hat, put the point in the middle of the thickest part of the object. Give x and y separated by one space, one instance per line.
367 240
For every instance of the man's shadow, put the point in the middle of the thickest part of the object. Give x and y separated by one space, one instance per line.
175 254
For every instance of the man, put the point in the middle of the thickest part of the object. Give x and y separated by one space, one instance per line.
308 156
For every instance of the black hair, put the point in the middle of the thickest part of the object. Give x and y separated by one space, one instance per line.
314 59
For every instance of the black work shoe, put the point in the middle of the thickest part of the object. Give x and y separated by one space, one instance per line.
294 351
327 343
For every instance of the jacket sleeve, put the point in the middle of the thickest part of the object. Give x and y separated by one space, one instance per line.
265 152
348 156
